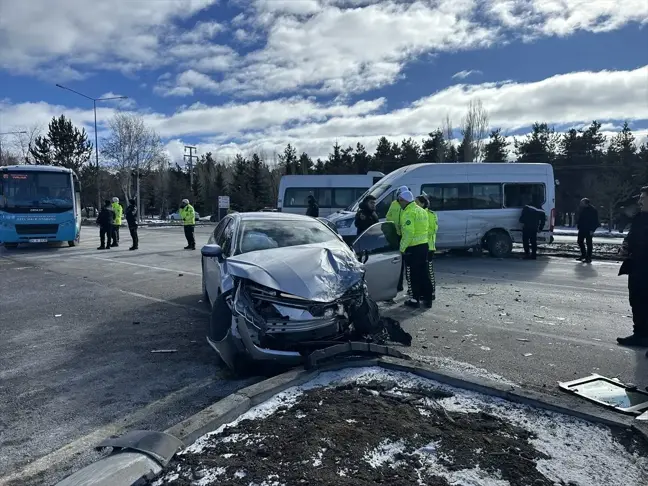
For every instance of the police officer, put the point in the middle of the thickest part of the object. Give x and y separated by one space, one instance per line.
117 221
414 247
433 227
394 216
533 220
188 216
105 222
635 266
131 220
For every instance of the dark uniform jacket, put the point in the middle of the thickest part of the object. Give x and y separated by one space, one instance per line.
365 218
532 219
105 218
131 216
588 219
313 209
635 246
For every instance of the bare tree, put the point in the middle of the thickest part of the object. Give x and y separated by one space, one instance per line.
131 148
24 140
474 127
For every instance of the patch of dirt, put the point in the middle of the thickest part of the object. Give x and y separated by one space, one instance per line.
374 433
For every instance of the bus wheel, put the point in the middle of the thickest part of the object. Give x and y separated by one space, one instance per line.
72 243
499 244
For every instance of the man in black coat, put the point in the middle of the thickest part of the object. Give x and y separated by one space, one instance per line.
313 208
366 216
533 220
635 266
131 219
588 221
105 222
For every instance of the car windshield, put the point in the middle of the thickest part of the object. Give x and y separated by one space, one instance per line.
376 191
35 190
267 234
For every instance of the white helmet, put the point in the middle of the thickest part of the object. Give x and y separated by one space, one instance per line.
185 201
115 199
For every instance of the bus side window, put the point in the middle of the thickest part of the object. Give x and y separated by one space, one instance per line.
515 195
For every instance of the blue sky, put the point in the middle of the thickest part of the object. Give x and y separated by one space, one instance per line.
243 76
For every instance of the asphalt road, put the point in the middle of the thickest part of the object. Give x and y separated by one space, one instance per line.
77 328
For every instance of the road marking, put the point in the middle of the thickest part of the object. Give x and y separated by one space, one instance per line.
141 265
532 282
85 443
167 302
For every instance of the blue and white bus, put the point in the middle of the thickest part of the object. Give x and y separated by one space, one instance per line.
39 204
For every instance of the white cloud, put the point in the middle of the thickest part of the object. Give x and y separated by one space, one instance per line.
465 73
123 103
37 34
564 17
566 100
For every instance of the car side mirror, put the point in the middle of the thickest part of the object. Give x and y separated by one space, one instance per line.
212 251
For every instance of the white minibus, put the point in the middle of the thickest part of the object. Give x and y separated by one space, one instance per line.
478 204
332 192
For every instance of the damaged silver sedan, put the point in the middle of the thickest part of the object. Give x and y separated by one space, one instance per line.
283 285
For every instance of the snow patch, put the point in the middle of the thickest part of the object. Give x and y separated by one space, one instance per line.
385 453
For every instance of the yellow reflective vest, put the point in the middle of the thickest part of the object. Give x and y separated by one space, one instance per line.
433 227
414 226
188 215
394 215
118 211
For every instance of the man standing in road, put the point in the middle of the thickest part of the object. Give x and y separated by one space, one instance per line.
533 220
117 221
394 216
131 219
313 208
635 266
105 222
588 221
414 248
188 216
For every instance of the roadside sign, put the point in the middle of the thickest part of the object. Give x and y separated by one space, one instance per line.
223 202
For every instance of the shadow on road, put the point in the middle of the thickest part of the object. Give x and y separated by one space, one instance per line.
584 271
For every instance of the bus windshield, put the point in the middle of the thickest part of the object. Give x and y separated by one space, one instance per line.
376 191
31 190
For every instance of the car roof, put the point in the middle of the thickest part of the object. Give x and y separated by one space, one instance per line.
268 216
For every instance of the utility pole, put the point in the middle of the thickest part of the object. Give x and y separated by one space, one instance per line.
190 158
96 147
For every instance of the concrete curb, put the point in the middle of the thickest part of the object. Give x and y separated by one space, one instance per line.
231 407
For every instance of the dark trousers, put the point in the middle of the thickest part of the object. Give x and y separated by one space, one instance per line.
585 237
189 234
638 291
133 233
431 271
105 235
402 273
530 241
115 235
416 259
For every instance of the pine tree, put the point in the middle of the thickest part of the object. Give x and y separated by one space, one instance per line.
334 161
383 156
240 195
259 182
64 146
496 149
540 146
434 148
410 152
305 164
361 159
288 160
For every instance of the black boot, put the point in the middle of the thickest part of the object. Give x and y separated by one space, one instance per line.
633 340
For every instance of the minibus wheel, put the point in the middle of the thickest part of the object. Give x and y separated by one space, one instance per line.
499 244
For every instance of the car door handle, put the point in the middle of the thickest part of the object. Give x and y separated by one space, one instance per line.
396 259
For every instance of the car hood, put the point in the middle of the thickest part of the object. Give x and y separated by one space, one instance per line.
311 272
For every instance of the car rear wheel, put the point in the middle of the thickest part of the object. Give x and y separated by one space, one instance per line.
499 244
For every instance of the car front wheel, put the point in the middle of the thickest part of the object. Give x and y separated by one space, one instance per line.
220 324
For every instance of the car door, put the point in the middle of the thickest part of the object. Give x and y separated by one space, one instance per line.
378 249
211 265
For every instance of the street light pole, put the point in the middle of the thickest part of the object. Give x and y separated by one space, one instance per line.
94 108
8 133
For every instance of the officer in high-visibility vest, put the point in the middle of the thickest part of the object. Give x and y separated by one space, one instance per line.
118 211
188 216
433 227
394 216
415 247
